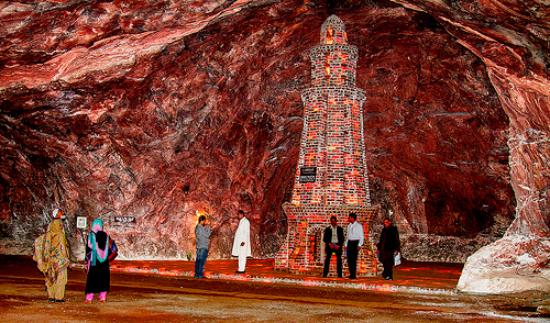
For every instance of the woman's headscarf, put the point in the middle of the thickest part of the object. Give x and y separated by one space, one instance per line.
52 250
98 242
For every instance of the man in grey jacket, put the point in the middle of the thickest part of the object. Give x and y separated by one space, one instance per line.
202 234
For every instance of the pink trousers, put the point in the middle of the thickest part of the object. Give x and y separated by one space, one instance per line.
102 296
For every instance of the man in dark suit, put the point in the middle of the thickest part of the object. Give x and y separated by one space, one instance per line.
333 238
388 246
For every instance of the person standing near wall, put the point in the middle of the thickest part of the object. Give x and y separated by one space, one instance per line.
241 242
333 237
354 241
51 253
100 251
202 235
388 246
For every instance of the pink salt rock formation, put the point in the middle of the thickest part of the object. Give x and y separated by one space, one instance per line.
513 264
517 64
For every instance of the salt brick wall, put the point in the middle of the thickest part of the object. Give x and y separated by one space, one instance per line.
332 141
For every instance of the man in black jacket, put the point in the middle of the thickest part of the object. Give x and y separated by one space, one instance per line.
388 246
333 238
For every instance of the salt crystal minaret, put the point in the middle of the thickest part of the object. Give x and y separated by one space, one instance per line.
331 177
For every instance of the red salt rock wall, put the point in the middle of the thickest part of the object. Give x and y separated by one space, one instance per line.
158 110
511 39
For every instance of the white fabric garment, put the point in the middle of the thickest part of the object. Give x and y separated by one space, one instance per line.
334 238
55 212
355 232
242 258
242 235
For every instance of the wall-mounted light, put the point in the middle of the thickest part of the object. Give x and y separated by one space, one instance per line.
185 188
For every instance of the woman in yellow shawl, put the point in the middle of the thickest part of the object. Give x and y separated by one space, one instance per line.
51 254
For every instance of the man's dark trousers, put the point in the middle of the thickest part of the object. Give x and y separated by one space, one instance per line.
386 257
338 253
352 257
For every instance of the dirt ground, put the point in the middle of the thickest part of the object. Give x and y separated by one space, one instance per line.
151 298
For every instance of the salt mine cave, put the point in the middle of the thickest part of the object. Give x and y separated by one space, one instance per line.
150 113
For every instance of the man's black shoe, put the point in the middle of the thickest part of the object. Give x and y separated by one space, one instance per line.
60 301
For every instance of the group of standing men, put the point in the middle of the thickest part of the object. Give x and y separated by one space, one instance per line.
333 238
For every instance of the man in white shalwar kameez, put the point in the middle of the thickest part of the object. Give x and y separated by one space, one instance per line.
241 243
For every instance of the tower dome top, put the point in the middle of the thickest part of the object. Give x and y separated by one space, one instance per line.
333 31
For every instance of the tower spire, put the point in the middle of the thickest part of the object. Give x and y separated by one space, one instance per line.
333 31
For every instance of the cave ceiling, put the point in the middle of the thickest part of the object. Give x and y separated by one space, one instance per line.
161 110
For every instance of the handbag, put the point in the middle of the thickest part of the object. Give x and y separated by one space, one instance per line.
397 259
113 250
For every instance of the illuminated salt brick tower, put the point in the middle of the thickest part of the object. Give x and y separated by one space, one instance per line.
331 177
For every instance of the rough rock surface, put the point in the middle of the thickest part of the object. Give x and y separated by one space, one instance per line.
429 247
513 264
161 109
508 36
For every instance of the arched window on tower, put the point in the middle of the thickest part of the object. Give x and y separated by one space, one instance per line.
327 66
329 39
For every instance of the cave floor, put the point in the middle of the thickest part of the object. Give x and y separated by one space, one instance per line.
411 276
160 291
